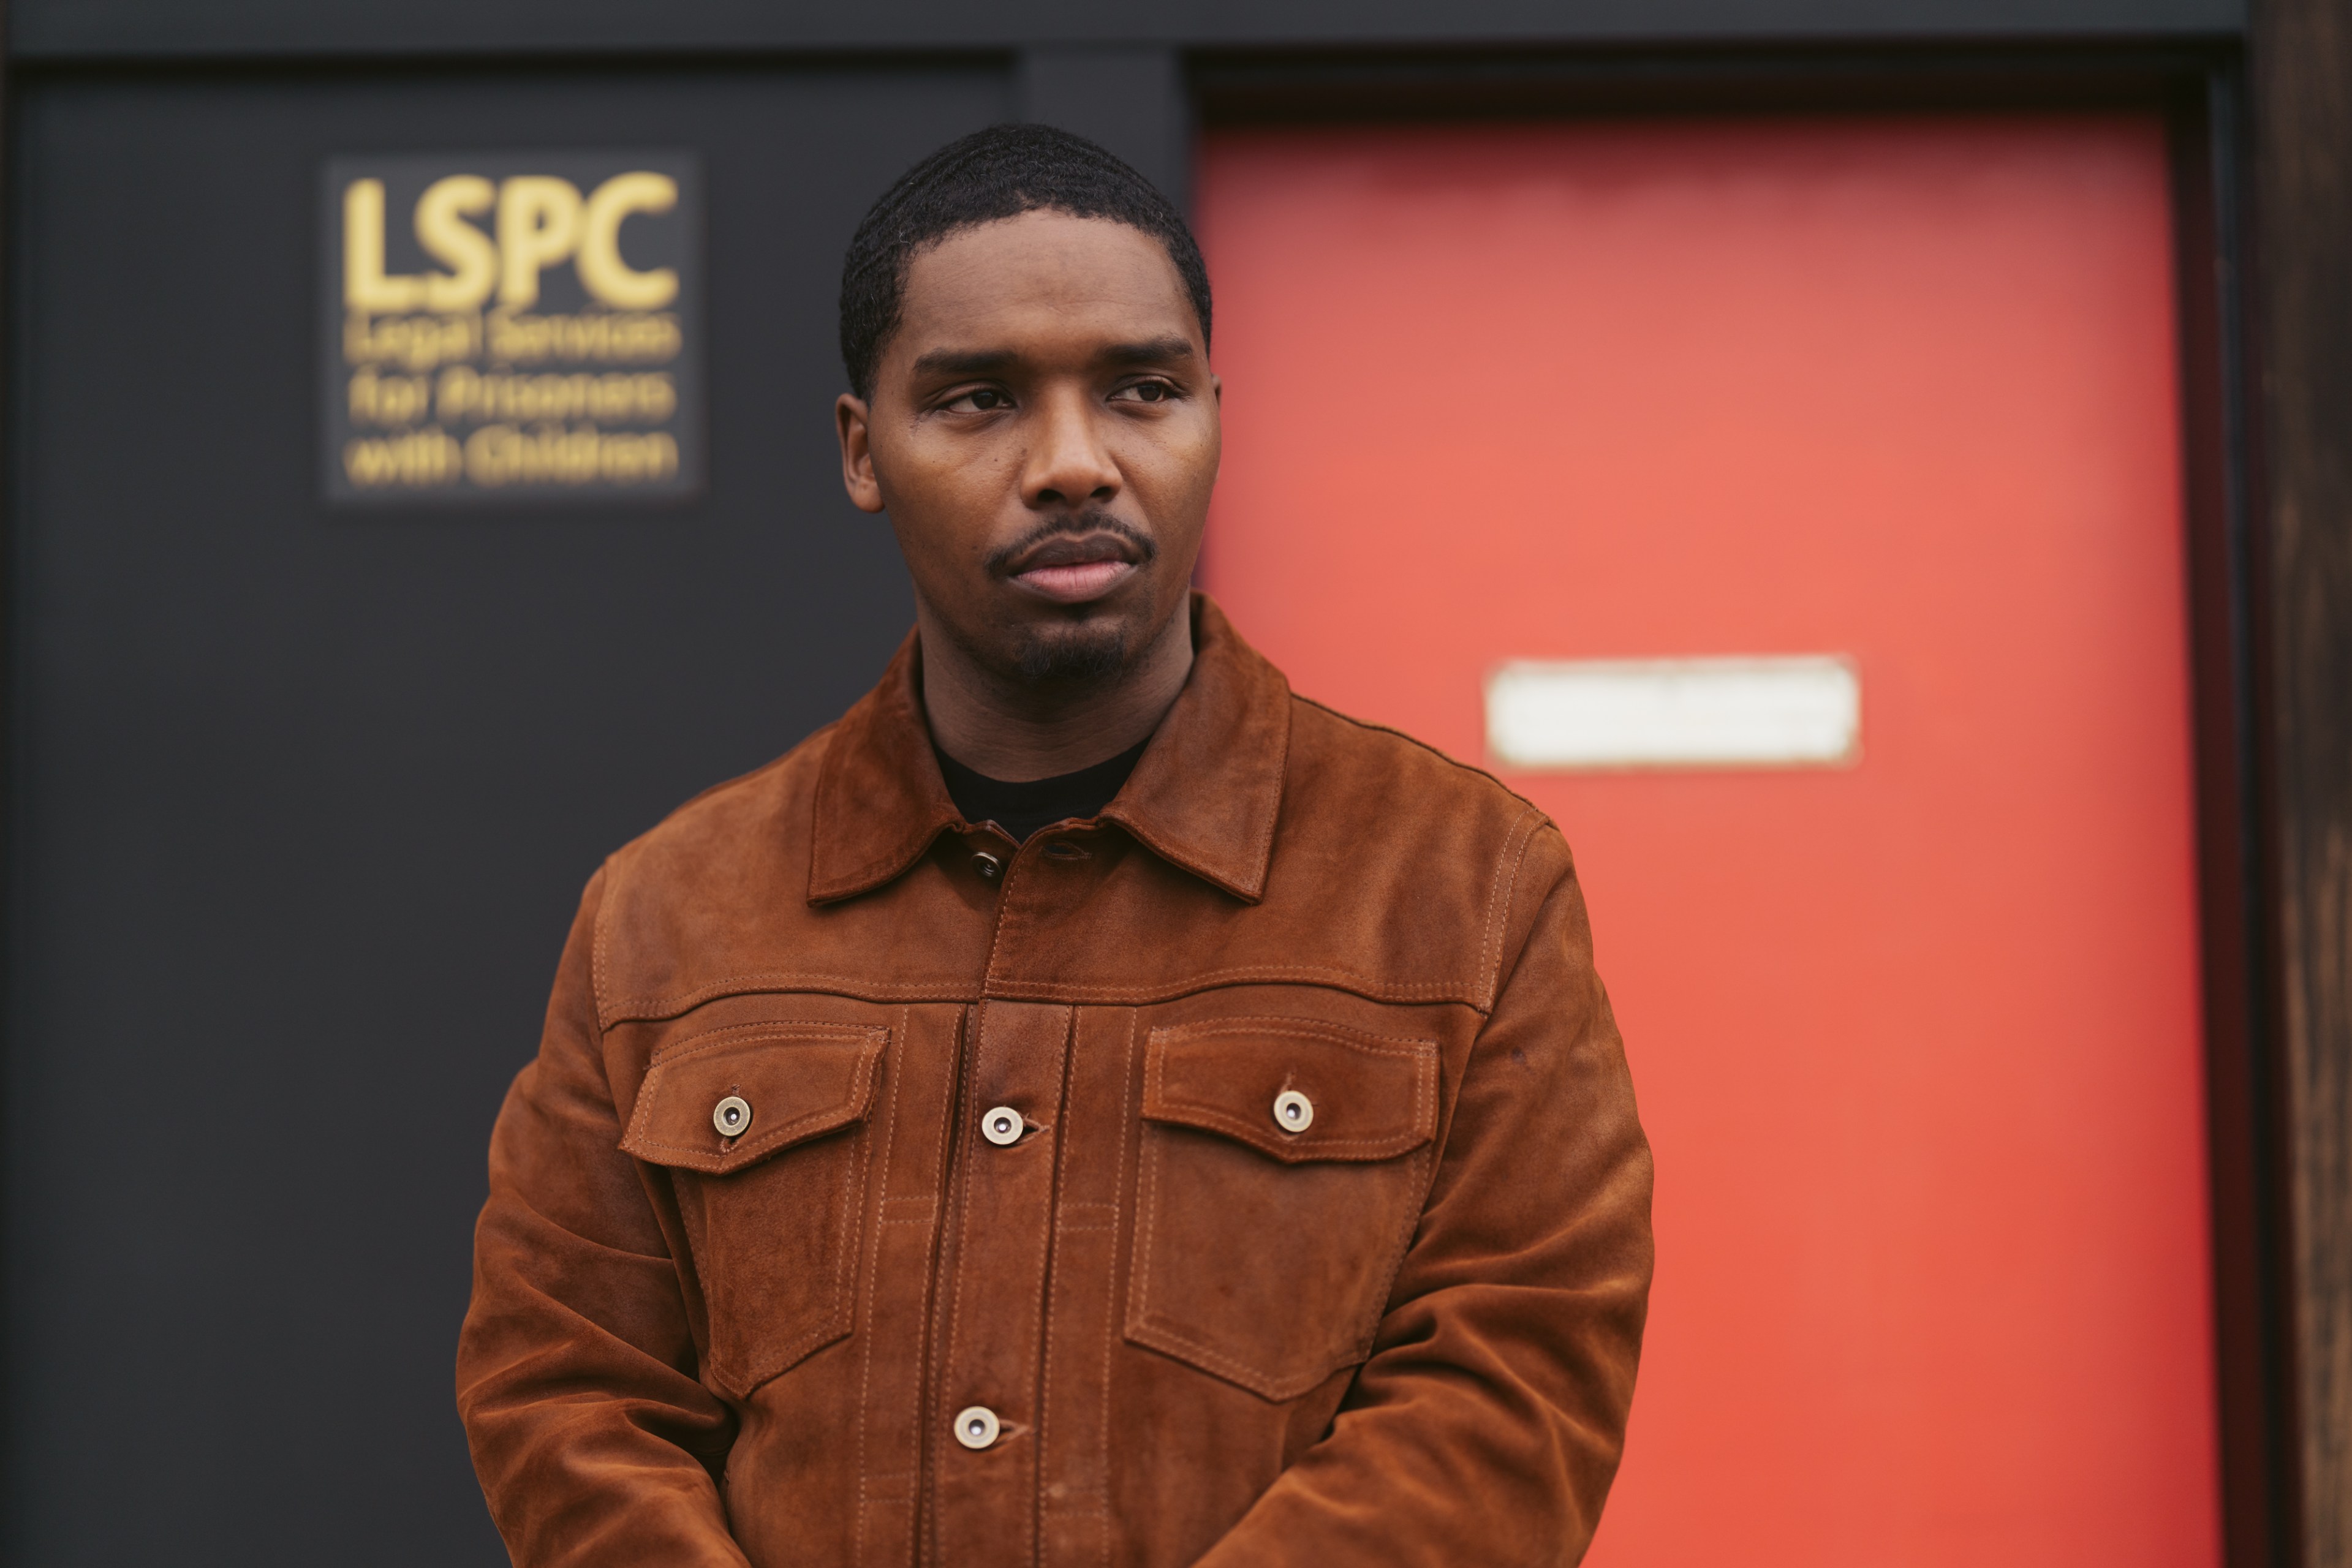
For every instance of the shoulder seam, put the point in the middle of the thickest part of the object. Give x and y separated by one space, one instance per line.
1499 908
612 870
1450 761
602 882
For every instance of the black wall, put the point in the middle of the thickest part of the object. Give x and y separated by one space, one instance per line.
301 800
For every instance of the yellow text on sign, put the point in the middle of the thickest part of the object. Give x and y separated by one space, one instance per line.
541 222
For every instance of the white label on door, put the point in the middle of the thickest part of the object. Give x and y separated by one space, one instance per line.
1796 710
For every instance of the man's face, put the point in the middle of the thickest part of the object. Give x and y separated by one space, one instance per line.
1043 435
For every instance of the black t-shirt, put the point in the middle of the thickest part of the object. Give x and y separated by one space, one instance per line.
1024 807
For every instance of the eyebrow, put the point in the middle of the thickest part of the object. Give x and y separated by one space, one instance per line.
963 361
982 362
1151 351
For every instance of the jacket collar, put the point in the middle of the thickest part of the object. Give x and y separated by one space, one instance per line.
1204 795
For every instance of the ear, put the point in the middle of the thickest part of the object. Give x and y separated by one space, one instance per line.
850 422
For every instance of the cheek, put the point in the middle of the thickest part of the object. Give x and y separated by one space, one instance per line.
1177 474
950 497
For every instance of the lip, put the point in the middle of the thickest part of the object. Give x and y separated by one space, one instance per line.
1067 570
1076 583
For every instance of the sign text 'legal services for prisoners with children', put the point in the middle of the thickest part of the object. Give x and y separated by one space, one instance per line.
511 326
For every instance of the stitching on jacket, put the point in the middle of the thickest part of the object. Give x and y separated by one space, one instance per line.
1498 906
822 789
880 863
1305 1028
1144 1323
1162 1334
1215 1121
1424 1053
1400 1248
610 869
856 880
873 1281
1049 1243
830 1327
847 880
1309 974
646 1010
1261 854
1222 881
966 1021
1046 1315
1004 917
852 1203
1415 741
1126 1119
596 963
1147 1211
595 956
866 987
701 1040
964 1102
869 1052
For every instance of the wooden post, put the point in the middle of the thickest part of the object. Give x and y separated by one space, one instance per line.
2302 71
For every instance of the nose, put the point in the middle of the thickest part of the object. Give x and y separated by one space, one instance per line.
1068 465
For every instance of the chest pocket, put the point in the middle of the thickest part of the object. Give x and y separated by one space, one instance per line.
1284 1167
762 1128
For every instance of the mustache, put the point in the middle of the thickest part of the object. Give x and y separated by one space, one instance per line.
1141 548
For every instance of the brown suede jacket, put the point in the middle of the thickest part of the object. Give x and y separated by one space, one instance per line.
1249 1177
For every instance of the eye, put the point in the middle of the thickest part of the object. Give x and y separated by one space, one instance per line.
1146 392
979 400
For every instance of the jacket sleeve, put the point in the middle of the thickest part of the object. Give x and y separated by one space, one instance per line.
593 1441
1493 1408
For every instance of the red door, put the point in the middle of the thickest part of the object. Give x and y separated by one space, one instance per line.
1915 1025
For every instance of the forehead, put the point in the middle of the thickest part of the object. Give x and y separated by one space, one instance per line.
1041 274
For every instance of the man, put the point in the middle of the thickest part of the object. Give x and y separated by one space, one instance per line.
1086 1106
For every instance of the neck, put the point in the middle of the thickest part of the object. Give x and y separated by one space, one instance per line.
1017 730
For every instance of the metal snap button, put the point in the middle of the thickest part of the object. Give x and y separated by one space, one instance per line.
976 1426
731 1116
989 867
1293 1112
1001 1125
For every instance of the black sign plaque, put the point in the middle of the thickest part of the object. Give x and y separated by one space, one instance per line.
511 326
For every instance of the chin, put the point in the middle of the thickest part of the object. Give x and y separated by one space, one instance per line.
1075 651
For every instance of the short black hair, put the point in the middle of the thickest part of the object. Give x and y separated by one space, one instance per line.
999 173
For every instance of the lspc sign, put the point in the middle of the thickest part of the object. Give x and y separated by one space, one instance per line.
512 328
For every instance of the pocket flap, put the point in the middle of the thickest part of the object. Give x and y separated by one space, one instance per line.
1373 1097
795 1082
